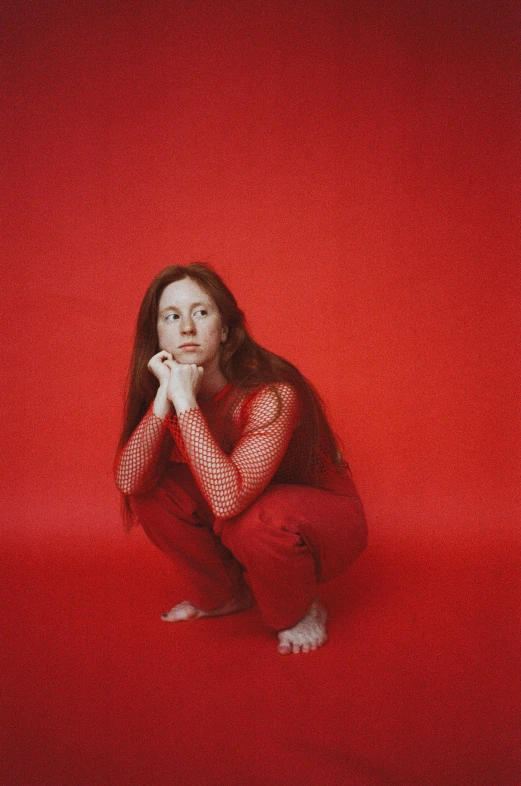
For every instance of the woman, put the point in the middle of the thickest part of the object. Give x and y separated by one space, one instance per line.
228 463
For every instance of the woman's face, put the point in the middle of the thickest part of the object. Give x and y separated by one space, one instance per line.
189 324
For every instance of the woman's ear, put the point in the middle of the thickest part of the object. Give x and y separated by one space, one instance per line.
224 334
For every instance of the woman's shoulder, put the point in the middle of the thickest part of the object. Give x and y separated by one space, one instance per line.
273 391
267 402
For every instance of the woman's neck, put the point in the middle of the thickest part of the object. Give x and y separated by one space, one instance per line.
212 383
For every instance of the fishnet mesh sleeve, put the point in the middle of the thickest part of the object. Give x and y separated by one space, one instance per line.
231 482
140 463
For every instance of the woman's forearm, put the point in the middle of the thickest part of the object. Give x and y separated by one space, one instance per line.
230 483
215 472
139 465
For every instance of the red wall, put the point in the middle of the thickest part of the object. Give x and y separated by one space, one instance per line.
350 168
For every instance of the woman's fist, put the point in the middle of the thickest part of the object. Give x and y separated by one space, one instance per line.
157 366
184 384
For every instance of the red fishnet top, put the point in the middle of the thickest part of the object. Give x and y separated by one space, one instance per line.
235 446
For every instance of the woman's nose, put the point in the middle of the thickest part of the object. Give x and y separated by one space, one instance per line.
187 325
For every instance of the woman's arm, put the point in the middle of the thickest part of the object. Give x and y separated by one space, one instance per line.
231 483
140 463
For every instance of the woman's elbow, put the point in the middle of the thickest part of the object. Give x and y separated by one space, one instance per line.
229 509
131 486
126 488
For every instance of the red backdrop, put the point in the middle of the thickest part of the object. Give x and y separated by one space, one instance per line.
349 168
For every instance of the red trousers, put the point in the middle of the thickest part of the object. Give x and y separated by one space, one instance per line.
287 540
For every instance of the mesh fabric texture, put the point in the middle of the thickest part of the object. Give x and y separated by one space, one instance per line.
141 463
234 445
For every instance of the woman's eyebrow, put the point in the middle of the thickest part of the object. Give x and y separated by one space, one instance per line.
192 305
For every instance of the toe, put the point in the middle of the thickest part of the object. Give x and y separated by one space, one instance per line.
321 642
183 611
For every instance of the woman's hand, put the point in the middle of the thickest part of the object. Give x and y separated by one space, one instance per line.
157 366
184 384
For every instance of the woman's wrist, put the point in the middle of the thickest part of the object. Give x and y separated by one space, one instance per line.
162 406
183 403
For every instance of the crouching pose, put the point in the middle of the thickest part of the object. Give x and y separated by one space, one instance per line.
228 463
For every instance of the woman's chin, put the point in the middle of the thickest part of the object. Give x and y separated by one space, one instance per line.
186 360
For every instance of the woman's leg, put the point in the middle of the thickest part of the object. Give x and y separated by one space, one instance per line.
176 519
289 539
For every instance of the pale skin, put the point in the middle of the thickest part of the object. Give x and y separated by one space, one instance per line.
191 334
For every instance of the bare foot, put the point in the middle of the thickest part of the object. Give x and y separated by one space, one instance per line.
187 611
308 634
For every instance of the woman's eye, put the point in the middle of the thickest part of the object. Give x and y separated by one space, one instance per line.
172 317
202 312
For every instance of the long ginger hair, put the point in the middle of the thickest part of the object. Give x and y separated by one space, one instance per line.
243 362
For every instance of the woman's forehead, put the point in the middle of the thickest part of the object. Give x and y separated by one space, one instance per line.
184 292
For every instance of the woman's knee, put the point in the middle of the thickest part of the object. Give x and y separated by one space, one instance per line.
265 524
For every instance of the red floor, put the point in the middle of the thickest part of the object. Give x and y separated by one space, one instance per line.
419 684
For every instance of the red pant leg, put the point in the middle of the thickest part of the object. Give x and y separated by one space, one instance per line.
177 520
289 539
